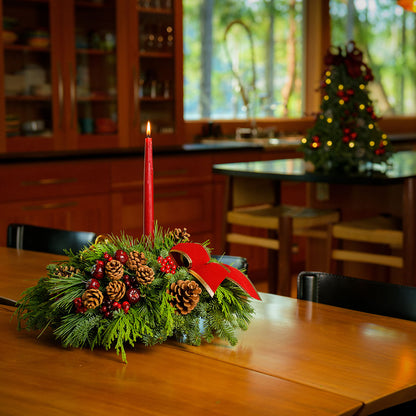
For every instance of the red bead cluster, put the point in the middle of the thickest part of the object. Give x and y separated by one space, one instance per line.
316 142
108 306
381 148
370 111
167 264
79 307
345 95
349 136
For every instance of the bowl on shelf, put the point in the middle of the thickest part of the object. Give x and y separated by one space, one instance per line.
9 37
33 127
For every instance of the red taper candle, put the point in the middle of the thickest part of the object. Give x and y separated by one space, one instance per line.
148 199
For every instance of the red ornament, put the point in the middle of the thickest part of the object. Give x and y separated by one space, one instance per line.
93 284
116 305
133 295
98 270
121 256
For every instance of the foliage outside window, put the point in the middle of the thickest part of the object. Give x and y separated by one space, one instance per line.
242 59
381 29
386 34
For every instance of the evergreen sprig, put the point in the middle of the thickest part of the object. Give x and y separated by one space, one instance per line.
152 320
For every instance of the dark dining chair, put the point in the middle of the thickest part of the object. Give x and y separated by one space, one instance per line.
47 240
370 296
239 263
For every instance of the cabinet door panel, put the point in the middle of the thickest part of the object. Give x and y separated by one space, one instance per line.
186 206
87 213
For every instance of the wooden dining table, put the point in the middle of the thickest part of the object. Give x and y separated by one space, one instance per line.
296 358
372 180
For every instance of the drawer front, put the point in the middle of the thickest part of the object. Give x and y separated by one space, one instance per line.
128 173
49 180
85 213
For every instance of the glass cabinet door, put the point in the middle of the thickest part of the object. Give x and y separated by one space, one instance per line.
95 85
159 58
30 76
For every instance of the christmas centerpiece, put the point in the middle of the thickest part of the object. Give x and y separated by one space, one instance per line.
345 134
122 290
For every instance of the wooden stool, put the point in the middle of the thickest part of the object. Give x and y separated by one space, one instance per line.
379 230
252 203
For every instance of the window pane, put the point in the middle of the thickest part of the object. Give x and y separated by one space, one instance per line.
386 35
242 58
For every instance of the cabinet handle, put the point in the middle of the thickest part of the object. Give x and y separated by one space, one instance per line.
48 181
49 206
135 98
72 95
60 97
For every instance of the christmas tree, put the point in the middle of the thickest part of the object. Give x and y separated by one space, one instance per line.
345 133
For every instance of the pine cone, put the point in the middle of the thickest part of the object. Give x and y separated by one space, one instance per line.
114 270
135 259
145 275
66 271
186 295
116 290
92 298
181 235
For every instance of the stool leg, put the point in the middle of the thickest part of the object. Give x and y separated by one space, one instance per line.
285 256
272 263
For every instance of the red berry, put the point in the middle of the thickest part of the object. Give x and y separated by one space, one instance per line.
104 309
93 284
100 263
121 256
77 301
116 305
133 295
125 306
107 314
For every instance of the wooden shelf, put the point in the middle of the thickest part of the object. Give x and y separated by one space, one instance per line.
154 10
28 98
26 48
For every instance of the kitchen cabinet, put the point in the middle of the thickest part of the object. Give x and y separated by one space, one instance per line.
85 74
68 195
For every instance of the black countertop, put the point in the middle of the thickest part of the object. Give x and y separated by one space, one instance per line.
403 166
222 146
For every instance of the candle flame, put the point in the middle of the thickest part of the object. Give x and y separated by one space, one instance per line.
148 129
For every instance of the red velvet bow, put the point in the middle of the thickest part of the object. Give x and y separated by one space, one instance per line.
197 259
353 61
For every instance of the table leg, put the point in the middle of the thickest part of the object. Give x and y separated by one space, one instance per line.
409 231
